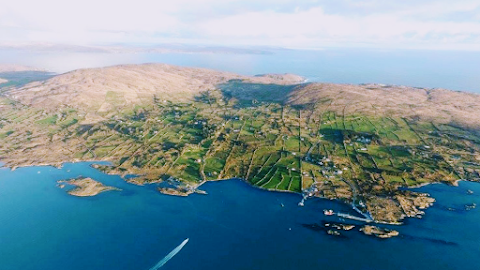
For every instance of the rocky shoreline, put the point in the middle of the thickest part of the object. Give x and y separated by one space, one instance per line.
379 232
410 204
337 229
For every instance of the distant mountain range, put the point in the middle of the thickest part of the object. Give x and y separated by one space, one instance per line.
17 68
122 48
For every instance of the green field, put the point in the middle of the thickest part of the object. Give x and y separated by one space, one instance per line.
269 144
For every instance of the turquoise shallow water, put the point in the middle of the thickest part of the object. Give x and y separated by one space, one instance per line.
235 226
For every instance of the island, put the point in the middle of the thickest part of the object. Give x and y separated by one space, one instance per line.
378 232
339 226
85 187
365 145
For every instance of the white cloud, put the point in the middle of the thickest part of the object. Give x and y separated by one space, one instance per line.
86 21
289 23
315 28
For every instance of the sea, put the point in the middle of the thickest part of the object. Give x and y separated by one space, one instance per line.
235 226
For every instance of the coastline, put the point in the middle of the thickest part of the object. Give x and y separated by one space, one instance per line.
194 188
57 165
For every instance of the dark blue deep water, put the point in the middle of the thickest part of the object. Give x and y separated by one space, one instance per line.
234 227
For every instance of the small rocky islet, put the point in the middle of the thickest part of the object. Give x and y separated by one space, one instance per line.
379 232
85 187
335 228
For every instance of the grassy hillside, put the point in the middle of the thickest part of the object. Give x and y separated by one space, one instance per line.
438 105
106 90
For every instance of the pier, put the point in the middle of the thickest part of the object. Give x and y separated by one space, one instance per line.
348 216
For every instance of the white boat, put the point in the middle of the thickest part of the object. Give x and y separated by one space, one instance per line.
328 212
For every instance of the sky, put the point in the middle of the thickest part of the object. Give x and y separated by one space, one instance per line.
303 24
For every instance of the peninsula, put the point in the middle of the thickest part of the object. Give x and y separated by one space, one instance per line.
360 144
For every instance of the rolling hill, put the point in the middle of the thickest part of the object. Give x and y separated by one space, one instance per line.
110 88
437 105
179 127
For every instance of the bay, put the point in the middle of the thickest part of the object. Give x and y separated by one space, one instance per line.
235 226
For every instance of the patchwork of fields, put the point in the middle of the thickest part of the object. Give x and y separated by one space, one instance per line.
357 158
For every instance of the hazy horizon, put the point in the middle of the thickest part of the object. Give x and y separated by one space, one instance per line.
452 70
432 43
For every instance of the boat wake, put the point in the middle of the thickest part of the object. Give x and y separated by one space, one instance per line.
170 255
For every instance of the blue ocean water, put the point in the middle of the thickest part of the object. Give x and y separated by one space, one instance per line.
455 70
235 226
